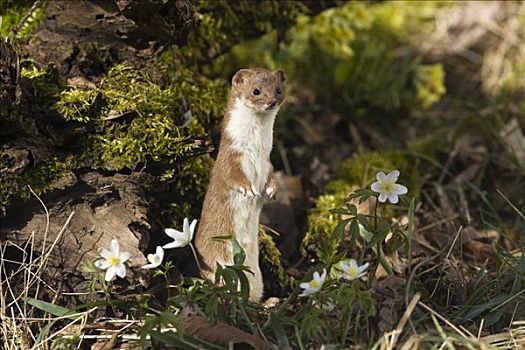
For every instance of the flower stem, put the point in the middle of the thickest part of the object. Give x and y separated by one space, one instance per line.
195 256
378 246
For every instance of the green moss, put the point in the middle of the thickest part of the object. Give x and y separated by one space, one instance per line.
361 168
12 11
271 258
226 23
76 104
140 123
429 82
321 222
40 178
41 85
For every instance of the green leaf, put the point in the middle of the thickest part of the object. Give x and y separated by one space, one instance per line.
339 229
222 238
53 309
492 318
280 333
341 211
476 310
245 285
168 319
238 253
354 230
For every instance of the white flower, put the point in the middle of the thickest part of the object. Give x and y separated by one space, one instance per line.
351 271
113 261
387 188
314 285
155 259
181 239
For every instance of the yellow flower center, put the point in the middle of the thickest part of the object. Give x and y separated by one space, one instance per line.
114 260
313 284
352 272
388 187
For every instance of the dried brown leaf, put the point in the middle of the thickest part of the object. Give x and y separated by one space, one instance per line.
221 333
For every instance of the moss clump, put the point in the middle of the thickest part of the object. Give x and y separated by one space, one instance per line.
321 222
271 258
77 104
41 85
13 11
429 82
138 120
39 178
218 32
361 168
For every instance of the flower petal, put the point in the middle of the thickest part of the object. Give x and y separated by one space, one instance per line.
151 258
186 227
175 244
110 273
363 268
124 256
120 269
106 254
304 285
352 264
376 187
102 264
393 198
393 175
323 277
192 228
115 248
380 176
160 252
316 276
400 189
175 234
382 197
149 266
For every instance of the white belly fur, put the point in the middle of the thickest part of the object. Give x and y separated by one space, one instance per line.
252 137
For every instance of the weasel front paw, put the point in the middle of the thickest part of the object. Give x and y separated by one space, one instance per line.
249 191
270 191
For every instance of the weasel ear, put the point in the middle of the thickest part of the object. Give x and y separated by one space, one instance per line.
279 73
240 77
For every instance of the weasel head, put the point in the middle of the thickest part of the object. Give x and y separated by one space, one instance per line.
259 89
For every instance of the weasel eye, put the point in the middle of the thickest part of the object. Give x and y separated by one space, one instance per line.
278 91
256 92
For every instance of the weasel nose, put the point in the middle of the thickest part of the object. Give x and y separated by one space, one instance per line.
272 104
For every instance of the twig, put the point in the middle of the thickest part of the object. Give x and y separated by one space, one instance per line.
16 28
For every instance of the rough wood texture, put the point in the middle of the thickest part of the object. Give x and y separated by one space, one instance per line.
105 208
88 37
9 71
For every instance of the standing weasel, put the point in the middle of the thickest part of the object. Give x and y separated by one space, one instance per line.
242 173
